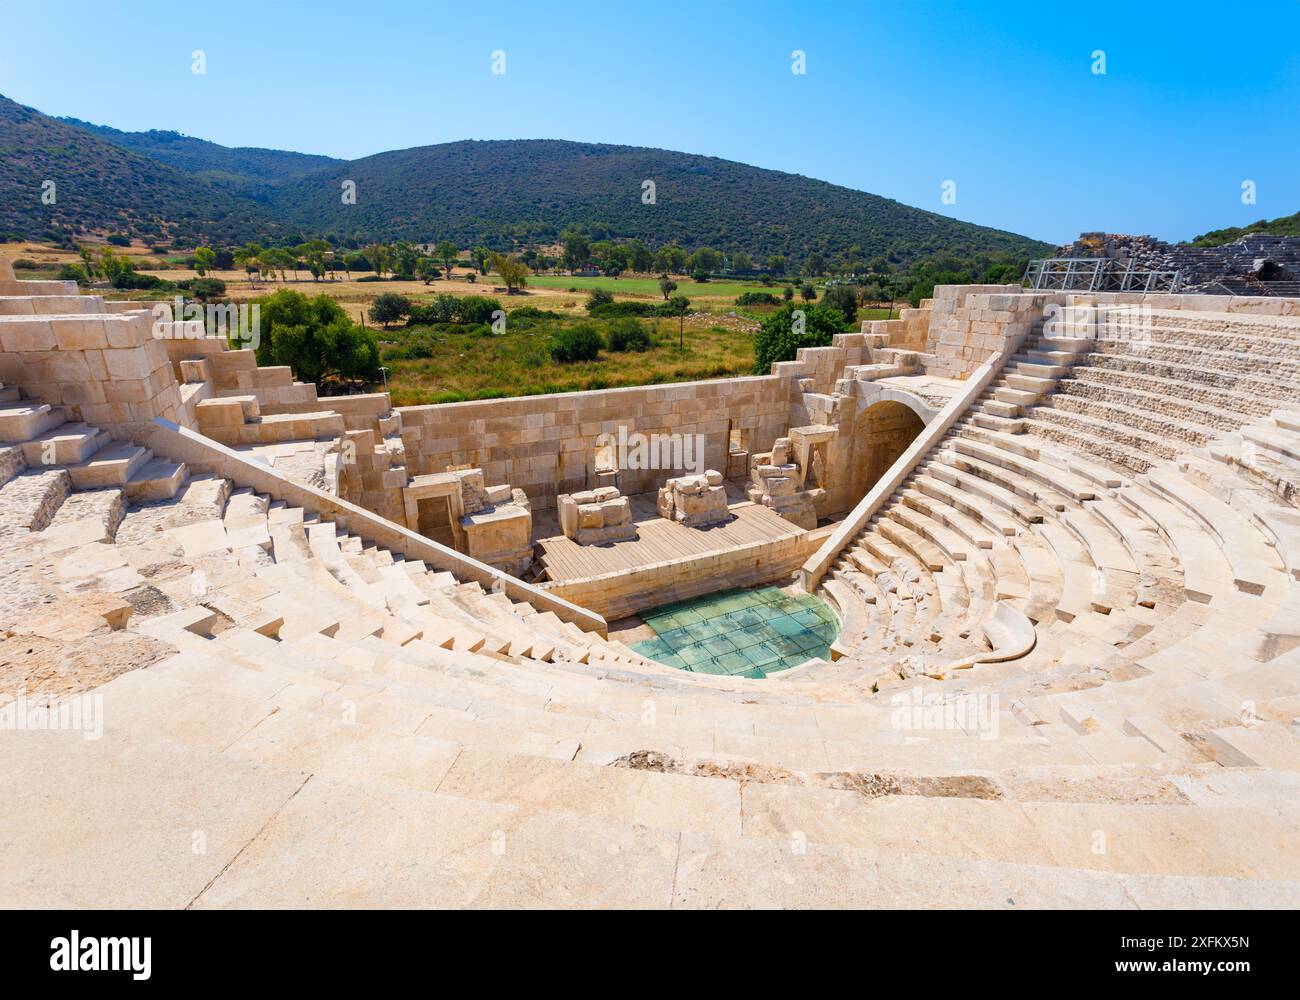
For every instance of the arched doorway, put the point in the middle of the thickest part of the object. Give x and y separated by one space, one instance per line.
881 432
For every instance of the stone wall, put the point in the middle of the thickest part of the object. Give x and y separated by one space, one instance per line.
546 445
971 323
106 369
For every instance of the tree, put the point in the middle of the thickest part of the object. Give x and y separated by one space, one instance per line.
844 299
642 259
316 255
674 258
249 257
577 249
705 259
276 259
790 328
667 286
405 257
776 264
807 292
315 338
742 262
88 261
447 252
378 256
427 269
389 308
679 306
513 272
204 258
111 266
481 256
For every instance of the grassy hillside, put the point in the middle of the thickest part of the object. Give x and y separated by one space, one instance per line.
495 191
1287 225
100 187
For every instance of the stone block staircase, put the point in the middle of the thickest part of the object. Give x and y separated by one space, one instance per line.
294 717
55 449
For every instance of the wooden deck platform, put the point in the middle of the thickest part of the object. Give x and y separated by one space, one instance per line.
660 540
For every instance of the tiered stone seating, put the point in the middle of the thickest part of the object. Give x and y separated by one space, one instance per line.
336 725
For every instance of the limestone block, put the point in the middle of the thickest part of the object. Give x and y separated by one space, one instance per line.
591 515
219 413
667 502
617 511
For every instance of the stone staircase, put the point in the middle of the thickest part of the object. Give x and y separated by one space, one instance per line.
1163 576
84 455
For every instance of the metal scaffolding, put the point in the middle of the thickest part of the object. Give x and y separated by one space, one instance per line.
1098 274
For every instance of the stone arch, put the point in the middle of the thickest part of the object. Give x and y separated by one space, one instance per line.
871 393
882 431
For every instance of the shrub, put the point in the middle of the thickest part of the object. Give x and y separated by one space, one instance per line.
599 299
611 310
129 278
756 299
628 335
779 338
576 343
24 264
118 240
532 312
204 289
476 309
700 277
71 272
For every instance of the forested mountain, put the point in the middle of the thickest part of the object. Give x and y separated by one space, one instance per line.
244 169
1286 225
500 193
533 189
57 179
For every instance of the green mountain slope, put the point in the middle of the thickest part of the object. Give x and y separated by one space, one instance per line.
499 193
246 169
492 191
103 188
1286 225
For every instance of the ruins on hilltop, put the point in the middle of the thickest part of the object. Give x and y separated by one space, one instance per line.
385 656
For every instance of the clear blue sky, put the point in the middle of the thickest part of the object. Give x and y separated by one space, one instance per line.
897 98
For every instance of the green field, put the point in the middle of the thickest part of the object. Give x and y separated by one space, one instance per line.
434 365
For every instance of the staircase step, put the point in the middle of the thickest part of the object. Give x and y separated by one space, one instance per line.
156 479
25 419
66 444
110 466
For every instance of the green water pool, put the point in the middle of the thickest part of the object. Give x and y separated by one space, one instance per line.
744 633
